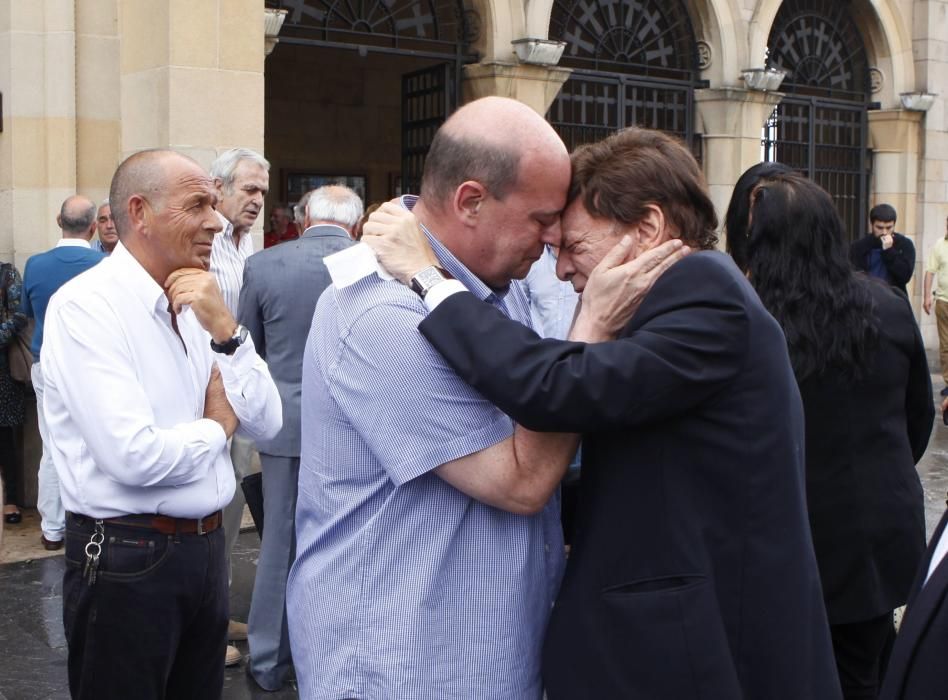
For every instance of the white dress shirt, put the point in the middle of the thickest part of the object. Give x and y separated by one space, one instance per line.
74 242
227 262
124 398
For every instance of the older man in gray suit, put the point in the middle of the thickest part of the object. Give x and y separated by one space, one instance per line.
279 293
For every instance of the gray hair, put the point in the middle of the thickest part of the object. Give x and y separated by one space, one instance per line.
336 203
105 203
225 165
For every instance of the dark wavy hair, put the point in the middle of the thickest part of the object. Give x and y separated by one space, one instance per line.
797 261
735 221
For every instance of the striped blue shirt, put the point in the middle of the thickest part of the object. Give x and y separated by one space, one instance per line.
403 586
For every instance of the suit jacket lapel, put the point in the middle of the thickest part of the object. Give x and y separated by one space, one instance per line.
922 603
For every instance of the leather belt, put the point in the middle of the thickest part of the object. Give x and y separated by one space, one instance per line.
167 525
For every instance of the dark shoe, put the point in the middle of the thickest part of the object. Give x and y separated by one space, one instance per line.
51 545
944 392
13 518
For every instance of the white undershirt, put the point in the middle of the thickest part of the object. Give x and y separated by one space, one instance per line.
124 401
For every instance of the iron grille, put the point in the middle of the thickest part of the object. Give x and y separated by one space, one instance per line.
428 98
818 43
628 36
422 25
826 142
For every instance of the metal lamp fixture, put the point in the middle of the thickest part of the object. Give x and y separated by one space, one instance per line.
764 79
917 101
541 52
272 21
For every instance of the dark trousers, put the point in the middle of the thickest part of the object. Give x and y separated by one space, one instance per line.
9 465
154 623
861 650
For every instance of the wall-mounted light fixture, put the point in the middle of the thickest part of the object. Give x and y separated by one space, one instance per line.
272 21
917 101
541 52
765 79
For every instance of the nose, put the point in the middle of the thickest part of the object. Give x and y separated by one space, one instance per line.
564 266
552 234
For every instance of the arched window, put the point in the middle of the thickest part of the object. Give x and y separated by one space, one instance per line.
820 127
635 63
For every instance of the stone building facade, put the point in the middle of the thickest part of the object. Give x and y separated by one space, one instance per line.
86 82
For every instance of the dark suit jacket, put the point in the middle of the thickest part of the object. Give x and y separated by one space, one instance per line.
692 573
863 439
917 667
279 293
899 260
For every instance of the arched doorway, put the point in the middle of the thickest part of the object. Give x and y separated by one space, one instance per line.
821 127
356 90
634 63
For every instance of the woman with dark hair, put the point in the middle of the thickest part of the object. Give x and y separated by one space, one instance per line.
12 393
735 221
860 364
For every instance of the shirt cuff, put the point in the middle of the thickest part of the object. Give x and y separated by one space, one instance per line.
442 291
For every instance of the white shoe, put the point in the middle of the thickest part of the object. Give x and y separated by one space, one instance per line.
233 656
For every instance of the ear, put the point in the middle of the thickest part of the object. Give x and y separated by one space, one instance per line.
652 229
219 186
138 213
468 199
59 221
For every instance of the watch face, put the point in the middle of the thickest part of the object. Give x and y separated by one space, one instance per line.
429 277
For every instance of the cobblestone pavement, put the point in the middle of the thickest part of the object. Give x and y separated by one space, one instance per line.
33 649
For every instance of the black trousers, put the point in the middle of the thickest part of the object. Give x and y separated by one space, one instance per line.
154 623
862 650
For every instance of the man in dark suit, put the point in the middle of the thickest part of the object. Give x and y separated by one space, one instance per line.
692 572
882 252
280 288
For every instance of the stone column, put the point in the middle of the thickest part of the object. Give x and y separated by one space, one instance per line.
191 76
895 139
38 142
731 122
536 86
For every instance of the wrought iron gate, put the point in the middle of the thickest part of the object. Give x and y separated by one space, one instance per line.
821 127
635 63
428 98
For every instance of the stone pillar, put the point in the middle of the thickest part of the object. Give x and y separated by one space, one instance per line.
38 142
191 76
731 122
895 139
536 86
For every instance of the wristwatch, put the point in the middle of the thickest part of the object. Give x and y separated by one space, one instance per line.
229 347
427 278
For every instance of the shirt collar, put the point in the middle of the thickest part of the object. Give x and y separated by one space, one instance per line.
454 266
325 230
72 243
137 280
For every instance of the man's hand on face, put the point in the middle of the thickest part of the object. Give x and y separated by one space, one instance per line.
887 241
216 405
398 241
616 288
199 290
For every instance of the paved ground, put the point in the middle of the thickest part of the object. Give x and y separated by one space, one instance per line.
32 647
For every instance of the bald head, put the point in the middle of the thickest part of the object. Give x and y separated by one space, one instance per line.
485 141
77 217
142 173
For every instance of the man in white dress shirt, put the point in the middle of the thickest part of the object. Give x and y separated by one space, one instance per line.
241 178
147 376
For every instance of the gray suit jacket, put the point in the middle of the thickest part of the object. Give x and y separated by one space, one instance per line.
277 300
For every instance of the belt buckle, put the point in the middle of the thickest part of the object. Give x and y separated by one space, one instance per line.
200 526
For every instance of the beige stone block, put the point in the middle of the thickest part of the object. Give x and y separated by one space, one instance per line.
194 33
896 172
6 63
34 219
241 35
27 91
145 110
28 162
60 78
144 28
27 16
223 108
59 15
6 225
936 144
98 152
98 78
204 156
60 153
97 17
